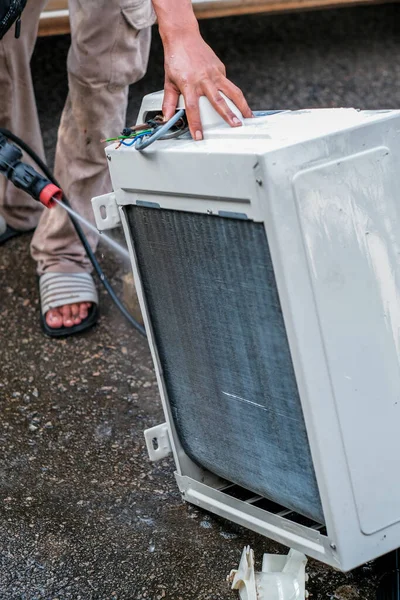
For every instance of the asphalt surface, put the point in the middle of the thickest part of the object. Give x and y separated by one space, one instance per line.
83 513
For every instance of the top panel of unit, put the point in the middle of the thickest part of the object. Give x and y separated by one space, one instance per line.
264 133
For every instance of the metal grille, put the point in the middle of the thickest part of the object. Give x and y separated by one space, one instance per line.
234 491
214 307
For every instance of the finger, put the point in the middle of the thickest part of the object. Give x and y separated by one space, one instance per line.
193 114
213 94
236 95
170 102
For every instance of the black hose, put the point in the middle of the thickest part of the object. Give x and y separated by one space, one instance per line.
78 229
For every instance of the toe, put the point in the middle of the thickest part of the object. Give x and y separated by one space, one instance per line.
68 320
75 313
84 310
54 318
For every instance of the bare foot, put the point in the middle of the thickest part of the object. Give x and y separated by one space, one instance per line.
68 315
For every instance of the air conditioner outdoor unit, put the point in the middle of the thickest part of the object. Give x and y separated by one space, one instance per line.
266 262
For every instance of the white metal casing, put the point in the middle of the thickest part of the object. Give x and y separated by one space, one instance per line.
325 184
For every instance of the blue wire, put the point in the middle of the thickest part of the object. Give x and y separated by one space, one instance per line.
127 143
135 139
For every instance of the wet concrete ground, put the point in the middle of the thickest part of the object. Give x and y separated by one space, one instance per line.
83 513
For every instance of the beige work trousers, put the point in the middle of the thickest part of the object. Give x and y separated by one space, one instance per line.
110 42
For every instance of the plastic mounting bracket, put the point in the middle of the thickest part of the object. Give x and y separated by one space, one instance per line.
106 211
157 442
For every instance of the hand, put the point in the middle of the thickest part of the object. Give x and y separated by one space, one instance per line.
193 70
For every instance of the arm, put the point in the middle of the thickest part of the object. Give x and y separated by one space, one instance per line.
191 67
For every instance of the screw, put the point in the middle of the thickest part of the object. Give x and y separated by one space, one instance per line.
333 546
209 212
108 157
259 181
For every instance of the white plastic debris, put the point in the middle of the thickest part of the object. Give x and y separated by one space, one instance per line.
281 577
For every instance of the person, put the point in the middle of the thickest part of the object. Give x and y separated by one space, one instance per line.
110 44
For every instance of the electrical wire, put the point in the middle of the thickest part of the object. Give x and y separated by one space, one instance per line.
160 131
78 229
128 137
134 139
175 134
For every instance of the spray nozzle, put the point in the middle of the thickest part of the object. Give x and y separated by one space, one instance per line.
49 194
25 177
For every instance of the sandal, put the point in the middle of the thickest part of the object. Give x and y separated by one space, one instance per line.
58 289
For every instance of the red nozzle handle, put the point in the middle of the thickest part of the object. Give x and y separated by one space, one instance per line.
48 193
